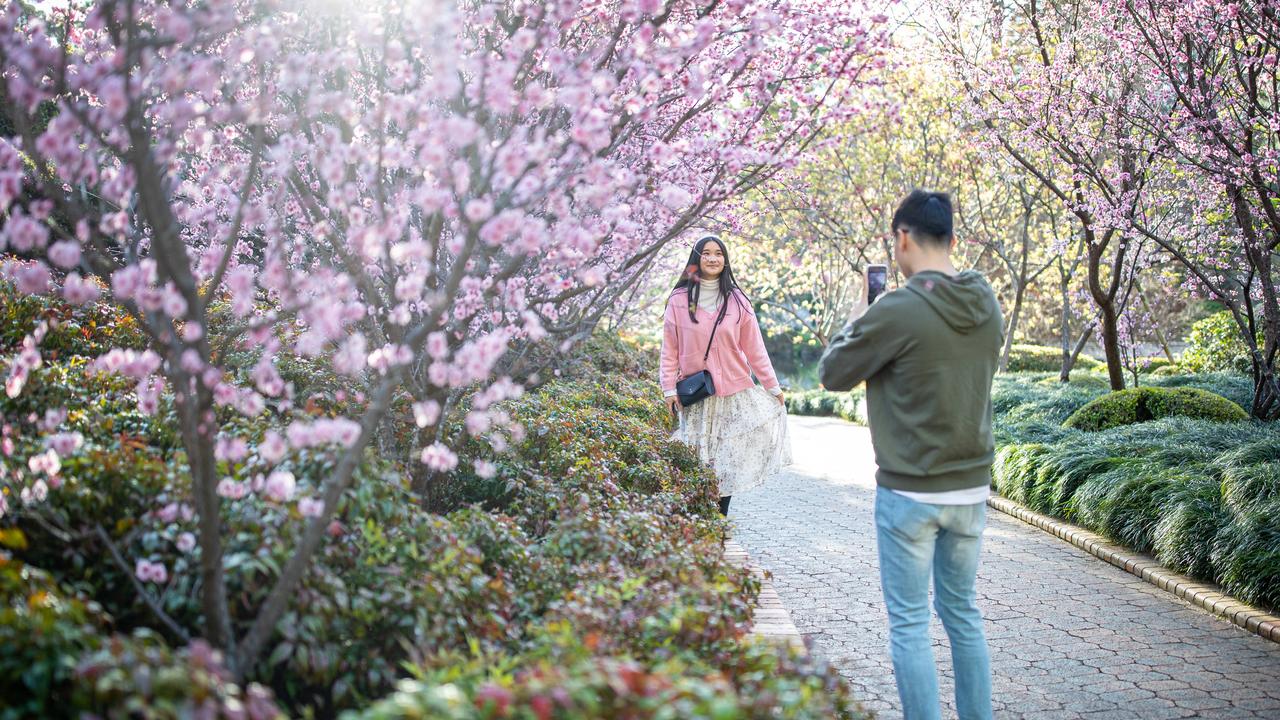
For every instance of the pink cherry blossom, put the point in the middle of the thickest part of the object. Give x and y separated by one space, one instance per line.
439 458
78 291
65 254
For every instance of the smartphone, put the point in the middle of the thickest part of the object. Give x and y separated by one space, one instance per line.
877 280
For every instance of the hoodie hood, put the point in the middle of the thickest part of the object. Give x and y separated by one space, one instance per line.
965 301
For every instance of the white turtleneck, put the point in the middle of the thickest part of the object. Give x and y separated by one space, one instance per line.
709 294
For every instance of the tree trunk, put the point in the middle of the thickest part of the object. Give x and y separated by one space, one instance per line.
1106 302
198 441
1018 298
1111 345
1071 355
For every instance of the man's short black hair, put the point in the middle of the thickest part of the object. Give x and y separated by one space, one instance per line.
926 216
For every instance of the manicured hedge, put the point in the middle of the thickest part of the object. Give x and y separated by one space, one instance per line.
1043 358
824 403
1143 404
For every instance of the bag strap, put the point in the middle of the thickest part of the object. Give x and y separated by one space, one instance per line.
719 317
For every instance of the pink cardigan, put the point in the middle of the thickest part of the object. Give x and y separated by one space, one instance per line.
738 349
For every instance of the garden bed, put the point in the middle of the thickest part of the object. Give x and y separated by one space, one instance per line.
578 575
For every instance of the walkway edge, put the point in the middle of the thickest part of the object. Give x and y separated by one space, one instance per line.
771 620
1206 596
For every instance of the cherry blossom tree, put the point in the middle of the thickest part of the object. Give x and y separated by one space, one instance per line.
407 191
1048 84
1215 63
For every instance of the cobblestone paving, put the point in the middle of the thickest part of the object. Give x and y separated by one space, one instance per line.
1071 637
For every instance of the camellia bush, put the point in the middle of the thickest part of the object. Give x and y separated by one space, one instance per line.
402 197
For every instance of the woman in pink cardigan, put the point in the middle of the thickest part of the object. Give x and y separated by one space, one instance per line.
741 431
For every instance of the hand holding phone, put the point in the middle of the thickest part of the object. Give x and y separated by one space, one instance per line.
877 280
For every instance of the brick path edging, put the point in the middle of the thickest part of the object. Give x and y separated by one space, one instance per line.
1206 596
771 620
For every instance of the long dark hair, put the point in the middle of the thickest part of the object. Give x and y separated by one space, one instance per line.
690 279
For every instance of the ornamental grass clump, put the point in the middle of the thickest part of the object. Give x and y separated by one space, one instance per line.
1246 555
1251 474
1194 492
1188 526
1232 386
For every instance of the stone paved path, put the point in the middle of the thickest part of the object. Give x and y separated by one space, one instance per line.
1071 636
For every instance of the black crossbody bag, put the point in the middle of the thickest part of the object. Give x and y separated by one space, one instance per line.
699 386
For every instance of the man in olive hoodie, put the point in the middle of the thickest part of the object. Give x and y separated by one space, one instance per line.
927 352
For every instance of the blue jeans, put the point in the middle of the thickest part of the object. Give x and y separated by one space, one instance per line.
915 539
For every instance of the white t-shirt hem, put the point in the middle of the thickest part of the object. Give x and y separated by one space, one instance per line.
967 496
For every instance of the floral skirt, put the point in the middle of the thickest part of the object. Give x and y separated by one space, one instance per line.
742 437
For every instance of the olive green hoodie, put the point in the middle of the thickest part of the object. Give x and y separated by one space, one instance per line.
927 352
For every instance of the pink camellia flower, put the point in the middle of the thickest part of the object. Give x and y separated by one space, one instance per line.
426 413
311 507
46 462
147 571
273 447
280 486
232 449
168 513
53 417
486 469
186 542
231 489
65 443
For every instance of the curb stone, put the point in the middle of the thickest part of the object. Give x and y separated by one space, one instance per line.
771 619
1203 595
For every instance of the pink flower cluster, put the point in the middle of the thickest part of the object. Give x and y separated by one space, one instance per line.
151 572
341 431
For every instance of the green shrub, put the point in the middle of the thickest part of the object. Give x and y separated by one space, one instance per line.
1236 388
757 682
72 330
1143 404
824 403
61 661
1214 345
1043 358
